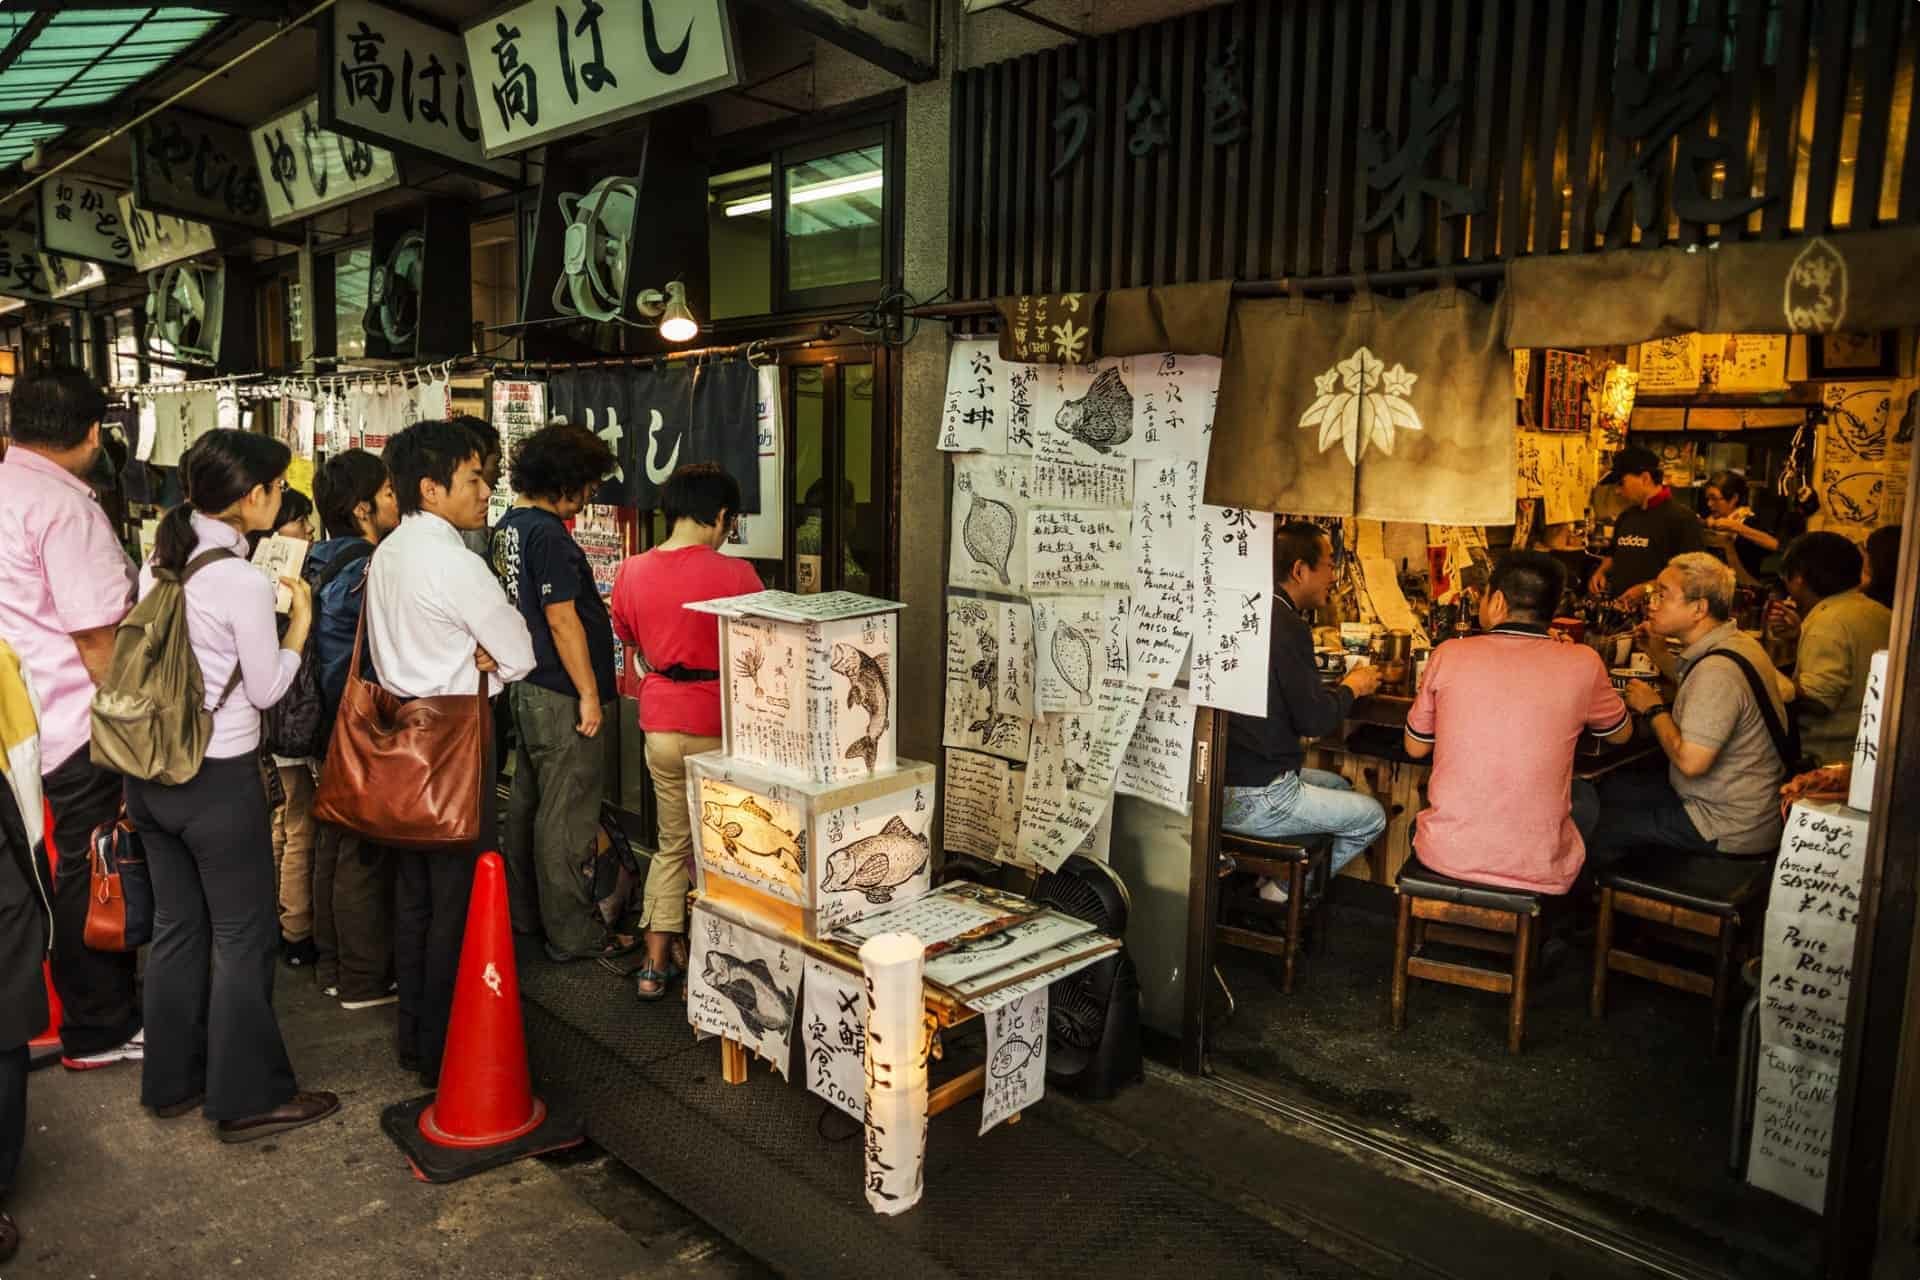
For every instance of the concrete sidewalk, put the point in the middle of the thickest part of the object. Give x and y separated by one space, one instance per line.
107 1191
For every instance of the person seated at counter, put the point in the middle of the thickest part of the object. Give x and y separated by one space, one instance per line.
1649 533
1838 629
1268 792
1719 791
1503 805
1734 529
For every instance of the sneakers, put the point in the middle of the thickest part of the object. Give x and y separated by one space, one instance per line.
299 955
133 1050
1272 891
392 996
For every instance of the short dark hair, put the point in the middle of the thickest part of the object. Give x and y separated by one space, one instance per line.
1731 484
559 460
699 492
483 430
56 408
429 451
1532 582
1828 561
1883 558
350 478
1297 542
294 505
1635 460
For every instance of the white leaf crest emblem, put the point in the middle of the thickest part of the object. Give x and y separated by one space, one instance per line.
1360 402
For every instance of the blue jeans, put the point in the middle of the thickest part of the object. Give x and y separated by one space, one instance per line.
1640 808
1308 803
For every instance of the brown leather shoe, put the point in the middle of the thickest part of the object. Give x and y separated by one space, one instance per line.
301 1109
9 1237
174 1110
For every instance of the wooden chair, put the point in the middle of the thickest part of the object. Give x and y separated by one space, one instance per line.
1699 902
1437 908
1292 861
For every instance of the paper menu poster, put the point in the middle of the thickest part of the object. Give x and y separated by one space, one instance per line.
1016 1058
743 986
973 418
1157 765
1165 531
1233 611
835 1037
277 557
983 796
1068 633
989 534
989 676
1076 551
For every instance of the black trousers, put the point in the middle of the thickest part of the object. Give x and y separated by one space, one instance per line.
352 913
429 924
95 987
216 929
14 1064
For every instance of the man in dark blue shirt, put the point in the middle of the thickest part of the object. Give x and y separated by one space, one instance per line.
560 709
1268 793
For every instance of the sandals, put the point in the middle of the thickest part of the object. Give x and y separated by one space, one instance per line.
662 984
612 947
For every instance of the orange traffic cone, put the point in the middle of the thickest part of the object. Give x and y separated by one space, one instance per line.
485 1113
44 1049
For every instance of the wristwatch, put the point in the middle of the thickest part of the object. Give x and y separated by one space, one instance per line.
1653 711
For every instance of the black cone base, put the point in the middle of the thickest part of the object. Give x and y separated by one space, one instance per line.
431 1162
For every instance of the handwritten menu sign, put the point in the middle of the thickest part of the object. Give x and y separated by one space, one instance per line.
1076 757
990 513
1056 328
199 168
989 692
974 417
1866 744
1158 763
1078 551
1669 366
1076 484
1173 410
835 1037
1166 514
81 219
1007 947
743 986
992 990
1016 1058
1069 636
983 796
519 410
1812 916
1564 405
1233 610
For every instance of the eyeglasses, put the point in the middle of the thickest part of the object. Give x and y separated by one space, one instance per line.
1656 596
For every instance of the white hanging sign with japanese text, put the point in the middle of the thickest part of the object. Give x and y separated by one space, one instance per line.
548 68
391 78
81 219
161 238
21 274
306 168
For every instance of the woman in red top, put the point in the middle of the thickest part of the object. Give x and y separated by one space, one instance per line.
679 652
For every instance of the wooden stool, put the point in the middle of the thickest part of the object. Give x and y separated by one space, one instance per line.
1289 861
1697 901
1437 908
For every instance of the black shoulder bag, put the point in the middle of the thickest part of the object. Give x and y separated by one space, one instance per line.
1786 737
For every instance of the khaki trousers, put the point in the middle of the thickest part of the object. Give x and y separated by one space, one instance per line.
293 852
669 874
553 818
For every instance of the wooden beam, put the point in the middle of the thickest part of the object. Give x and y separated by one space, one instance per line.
957 1090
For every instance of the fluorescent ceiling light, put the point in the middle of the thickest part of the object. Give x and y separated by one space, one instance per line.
805 195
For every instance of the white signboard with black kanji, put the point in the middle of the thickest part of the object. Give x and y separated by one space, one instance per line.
21 273
306 167
81 219
548 68
161 238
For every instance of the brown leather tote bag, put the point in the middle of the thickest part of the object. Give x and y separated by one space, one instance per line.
409 773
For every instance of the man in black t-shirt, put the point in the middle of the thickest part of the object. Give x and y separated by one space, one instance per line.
558 710
1649 533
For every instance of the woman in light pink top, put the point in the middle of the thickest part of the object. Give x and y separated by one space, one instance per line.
213 1042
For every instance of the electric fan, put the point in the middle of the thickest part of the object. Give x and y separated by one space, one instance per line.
184 305
393 294
1093 1016
593 279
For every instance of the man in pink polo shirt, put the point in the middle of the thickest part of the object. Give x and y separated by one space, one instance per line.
65 584
1500 713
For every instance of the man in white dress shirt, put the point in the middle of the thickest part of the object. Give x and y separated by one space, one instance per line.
438 624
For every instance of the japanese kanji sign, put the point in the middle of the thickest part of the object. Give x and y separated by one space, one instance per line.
548 68
307 168
68 276
21 275
391 78
160 238
195 167
81 219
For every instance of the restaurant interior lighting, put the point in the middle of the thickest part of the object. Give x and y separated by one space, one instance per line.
670 308
807 194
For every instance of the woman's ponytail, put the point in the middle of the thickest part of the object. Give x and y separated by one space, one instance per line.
173 545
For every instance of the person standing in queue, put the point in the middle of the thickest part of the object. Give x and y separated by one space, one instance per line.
352 879
679 653
26 913
1535 837
1724 737
438 625
1837 628
215 1043
293 816
559 710
65 584
1268 792
1649 533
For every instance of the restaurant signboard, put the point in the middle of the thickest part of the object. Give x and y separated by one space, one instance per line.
21 273
161 238
545 70
81 219
195 167
392 79
308 168
68 276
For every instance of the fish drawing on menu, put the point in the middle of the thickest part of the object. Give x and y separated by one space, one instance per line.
749 987
879 864
1013 1054
866 678
988 535
748 828
1073 659
1102 418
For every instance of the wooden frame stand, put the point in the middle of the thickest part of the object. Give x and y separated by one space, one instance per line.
1511 933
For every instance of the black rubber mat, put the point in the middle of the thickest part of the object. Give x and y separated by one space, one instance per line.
778 1172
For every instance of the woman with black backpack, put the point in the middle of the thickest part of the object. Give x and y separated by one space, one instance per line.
214 1042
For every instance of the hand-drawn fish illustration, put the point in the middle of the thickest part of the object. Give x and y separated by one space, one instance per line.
988 535
1102 418
1073 659
866 678
1074 772
748 828
748 986
879 864
1013 1054
986 675
1855 498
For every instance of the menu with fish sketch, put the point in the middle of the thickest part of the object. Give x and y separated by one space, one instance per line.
812 699
755 835
989 542
989 676
874 853
1072 550
1850 457
743 985
277 557
1070 645
1016 1058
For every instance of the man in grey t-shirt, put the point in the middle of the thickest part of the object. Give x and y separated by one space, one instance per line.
1720 792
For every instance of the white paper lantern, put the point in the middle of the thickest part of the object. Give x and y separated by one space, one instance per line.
896 1067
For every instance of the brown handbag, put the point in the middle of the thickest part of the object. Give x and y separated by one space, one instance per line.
406 772
119 893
